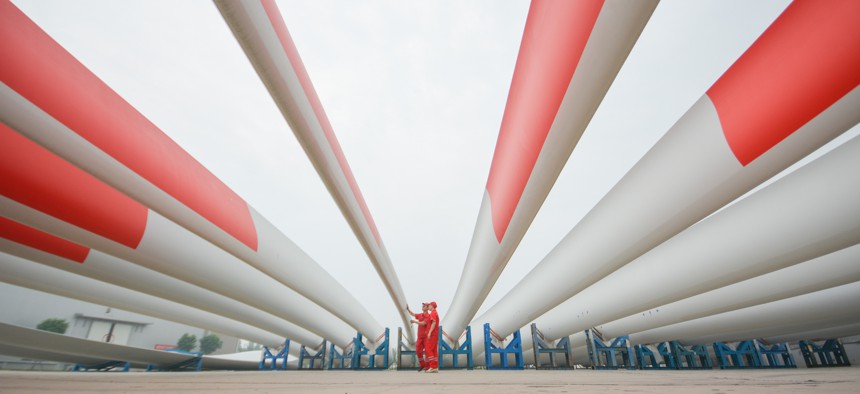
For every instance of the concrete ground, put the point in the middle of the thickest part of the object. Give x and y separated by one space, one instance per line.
826 380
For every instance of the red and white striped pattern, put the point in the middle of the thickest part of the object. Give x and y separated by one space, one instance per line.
37 182
262 33
809 213
569 56
709 157
28 243
51 98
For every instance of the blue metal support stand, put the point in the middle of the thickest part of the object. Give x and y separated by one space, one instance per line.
403 350
281 355
337 360
744 355
195 363
304 355
696 357
665 350
120 366
459 349
616 355
541 347
360 351
777 355
831 353
515 348
646 358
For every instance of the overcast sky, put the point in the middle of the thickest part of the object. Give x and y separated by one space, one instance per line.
415 91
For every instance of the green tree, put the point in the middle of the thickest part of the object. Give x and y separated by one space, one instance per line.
187 342
58 326
210 343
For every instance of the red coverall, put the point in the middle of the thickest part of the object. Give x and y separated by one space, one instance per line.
432 351
422 339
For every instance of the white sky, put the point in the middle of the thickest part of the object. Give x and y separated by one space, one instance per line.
415 91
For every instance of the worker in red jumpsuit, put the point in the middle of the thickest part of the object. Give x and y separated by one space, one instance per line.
421 321
432 351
